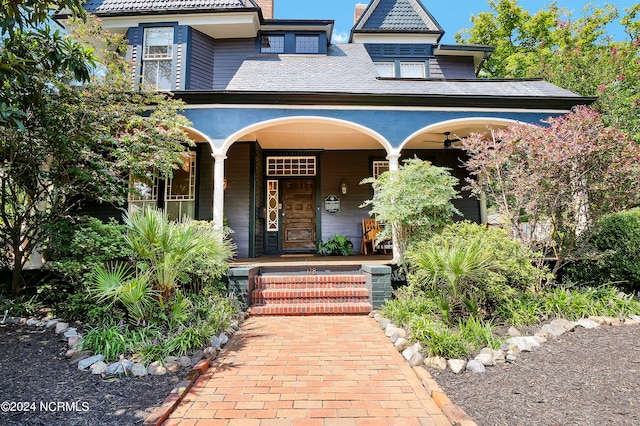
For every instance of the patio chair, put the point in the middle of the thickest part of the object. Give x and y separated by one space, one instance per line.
370 230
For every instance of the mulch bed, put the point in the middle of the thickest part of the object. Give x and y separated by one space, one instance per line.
584 377
43 388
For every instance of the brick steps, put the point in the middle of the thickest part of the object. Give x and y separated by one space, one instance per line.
310 295
311 309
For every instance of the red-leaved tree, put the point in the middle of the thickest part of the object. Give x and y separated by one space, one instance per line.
551 183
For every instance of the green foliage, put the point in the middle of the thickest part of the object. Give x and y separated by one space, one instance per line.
169 250
415 200
74 142
469 270
574 53
108 340
20 306
589 171
439 339
612 255
407 304
337 245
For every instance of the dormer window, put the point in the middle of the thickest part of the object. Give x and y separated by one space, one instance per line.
307 44
401 69
157 57
273 43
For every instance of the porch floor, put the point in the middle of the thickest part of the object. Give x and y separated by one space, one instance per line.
306 260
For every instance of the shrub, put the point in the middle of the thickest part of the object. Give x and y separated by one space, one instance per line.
470 270
613 254
337 245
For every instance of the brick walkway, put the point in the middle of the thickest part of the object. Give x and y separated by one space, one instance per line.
315 370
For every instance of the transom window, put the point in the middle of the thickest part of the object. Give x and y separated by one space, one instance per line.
379 167
272 44
157 57
291 166
307 44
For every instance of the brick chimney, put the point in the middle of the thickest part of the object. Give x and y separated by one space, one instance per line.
267 8
360 8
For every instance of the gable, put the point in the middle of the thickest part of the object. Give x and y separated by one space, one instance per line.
397 16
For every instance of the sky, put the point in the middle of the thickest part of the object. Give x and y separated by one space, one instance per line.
452 15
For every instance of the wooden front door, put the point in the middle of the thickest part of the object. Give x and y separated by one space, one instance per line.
299 215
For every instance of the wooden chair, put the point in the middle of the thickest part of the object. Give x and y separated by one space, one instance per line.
370 230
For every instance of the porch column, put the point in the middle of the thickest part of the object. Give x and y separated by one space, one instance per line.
393 167
218 190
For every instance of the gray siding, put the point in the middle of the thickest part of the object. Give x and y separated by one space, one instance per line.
236 197
200 58
205 182
229 56
260 192
353 166
452 67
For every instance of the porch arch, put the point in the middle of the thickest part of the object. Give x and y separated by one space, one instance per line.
332 123
432 136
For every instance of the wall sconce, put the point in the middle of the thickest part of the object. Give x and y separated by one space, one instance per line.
343 187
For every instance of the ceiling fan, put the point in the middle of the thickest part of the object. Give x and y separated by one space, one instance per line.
449 142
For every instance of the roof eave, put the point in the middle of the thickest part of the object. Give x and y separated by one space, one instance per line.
364 99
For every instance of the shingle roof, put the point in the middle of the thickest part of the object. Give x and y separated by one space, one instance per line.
132 6
347 68
397 15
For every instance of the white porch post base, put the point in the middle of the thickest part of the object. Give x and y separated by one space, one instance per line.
393 167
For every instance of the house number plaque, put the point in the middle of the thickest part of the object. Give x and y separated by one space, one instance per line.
332 204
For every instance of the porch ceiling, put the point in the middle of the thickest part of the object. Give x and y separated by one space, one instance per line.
433 137
313 136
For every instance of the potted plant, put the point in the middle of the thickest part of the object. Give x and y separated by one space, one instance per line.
337 245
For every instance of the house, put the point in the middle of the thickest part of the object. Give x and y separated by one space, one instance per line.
288 123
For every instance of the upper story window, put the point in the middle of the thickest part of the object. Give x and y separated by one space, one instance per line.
412 69
401 69
386 69
157 57
272 44
307 44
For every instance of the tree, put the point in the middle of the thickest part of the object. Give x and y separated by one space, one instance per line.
415 200
575 54
72 140
559 179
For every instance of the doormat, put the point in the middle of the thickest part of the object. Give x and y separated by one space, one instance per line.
297 255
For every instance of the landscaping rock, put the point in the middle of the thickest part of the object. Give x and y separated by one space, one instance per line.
215 342
486 359
88 362
475 366
170 360
377 316
197 356
119 367
32 322
210 353
51 323
510 357
411 350
99 367
401 344
61 327
601 320
156 369
524 343
80 355
391 328
566 324
184 361
553 330
70 332
587 323
69 353
635 318
436 362
138 370
457 365
172 367
514 332
384 323
73 341
399 333
416 359
629 321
